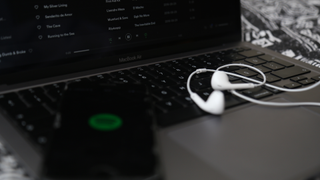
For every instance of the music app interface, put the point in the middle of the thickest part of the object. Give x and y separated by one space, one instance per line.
49 30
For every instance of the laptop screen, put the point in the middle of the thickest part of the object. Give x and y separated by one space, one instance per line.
41 33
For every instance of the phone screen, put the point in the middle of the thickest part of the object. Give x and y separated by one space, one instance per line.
103 131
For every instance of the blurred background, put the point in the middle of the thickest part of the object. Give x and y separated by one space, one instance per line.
290 27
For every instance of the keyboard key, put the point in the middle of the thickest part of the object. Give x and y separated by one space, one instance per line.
248 81
123 73
136 70
11 102
168 105
306 82
277 60
193 65
235 57
182 68
274 91
156 66
159 73
246 72
40 131
316 78
29 114
185 100
55 93
230 68
270 78
180 89
202 75
204 94
140 76
263 69
189 67
53 105
251 53
257 93
290 72
100 77
32 91
170 63
222 59
233 78
79 80
298 78
163 82
243 62
124 80
273 66
176 62
60 86
223 52
38 98
190 59
201 84
180 78
38 125
284 63
239 49
292 85
161 94
42 138
175 70
152 86
255 61
209 65
209 56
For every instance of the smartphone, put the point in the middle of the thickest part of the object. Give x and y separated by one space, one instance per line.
103 131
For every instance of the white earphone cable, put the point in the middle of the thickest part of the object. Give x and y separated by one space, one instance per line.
280 104
198 71
259 83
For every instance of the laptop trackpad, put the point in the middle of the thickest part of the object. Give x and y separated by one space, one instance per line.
257 142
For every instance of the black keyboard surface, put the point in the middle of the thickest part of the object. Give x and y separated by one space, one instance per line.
33 110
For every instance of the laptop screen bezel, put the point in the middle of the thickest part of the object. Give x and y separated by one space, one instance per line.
93 61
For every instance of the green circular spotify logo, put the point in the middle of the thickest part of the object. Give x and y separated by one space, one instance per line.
105 122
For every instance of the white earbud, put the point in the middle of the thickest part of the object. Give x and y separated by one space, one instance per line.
214 104
220 81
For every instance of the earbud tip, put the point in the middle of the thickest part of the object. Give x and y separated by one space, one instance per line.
214 104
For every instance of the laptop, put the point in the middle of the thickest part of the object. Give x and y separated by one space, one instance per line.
45 45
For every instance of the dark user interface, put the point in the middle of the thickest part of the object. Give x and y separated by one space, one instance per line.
36 31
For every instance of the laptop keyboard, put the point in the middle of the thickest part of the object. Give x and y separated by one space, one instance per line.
33 110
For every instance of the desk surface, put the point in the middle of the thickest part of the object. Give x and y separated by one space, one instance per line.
290 27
